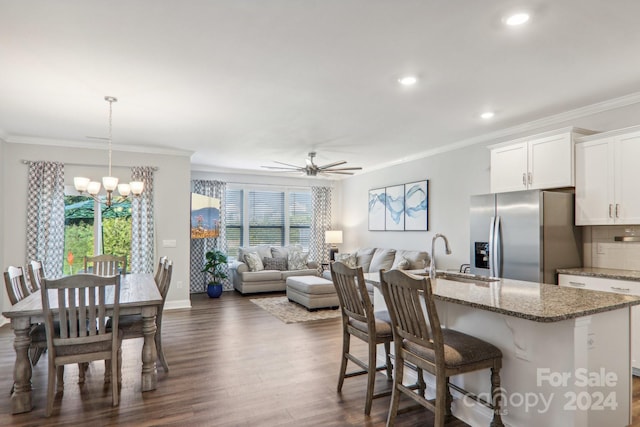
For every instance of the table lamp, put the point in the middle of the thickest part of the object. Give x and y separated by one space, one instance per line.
332 237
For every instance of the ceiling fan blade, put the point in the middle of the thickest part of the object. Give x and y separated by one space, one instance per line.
330 165
336 172
282 168
287 164
355 168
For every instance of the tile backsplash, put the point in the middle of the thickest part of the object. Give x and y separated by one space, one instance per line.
601 250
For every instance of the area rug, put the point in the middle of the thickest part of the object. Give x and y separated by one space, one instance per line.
290 312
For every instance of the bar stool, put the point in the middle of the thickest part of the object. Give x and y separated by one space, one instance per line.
442 352
359 320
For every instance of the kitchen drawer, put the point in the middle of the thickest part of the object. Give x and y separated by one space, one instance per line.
628 287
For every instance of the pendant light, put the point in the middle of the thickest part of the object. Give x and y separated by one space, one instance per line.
109 182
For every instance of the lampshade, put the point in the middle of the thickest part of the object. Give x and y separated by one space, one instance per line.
333 236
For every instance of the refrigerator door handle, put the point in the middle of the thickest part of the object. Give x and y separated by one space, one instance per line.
492 227
496 249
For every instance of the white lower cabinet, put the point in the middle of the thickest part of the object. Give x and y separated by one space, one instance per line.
628 287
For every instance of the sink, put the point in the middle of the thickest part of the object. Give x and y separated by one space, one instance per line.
465 278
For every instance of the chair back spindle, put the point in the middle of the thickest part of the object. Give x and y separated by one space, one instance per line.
106 265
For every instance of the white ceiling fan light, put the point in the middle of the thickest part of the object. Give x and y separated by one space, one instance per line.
311 169
516 19
408 80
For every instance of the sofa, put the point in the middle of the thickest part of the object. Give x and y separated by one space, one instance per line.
375 259
270 273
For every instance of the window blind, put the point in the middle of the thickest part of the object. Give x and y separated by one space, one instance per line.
266 218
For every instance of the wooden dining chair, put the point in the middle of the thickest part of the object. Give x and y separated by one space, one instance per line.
160 270
36 274
14 280
105 265
425 344
132 326
80 305
359 320
17 290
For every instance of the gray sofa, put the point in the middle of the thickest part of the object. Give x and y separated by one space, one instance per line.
270 279
375 259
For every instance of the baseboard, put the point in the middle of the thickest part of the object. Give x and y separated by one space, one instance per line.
177 305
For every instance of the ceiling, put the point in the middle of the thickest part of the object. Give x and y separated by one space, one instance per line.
243 83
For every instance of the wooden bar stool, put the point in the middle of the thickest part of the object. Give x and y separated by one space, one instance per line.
442 352
359 320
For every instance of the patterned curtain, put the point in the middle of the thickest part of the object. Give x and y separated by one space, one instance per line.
142 227
45 216
199 247
320 222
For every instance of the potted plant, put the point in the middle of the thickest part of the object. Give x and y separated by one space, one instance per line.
216 262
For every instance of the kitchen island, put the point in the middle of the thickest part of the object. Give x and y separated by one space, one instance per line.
566 352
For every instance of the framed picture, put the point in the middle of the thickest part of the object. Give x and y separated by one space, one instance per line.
416 199
205 216
394 212
377 202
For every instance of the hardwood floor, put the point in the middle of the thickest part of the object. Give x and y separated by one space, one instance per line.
231 364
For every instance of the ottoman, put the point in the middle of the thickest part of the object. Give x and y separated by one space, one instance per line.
312 292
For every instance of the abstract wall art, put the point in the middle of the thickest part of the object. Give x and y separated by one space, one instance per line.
377 204
415 206
394 212
401 207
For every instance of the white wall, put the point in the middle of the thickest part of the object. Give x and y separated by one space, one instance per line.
3 294
452 176
171 201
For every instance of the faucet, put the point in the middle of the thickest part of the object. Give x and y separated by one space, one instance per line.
432 266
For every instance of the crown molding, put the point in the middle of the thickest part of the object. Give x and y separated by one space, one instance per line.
532 126
96 146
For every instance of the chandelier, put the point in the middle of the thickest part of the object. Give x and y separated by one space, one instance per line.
109 182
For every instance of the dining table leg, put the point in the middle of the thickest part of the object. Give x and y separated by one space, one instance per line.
149 352
21 396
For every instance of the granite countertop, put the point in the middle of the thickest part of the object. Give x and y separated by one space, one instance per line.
526 300
606 273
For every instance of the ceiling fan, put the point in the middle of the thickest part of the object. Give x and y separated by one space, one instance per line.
311 169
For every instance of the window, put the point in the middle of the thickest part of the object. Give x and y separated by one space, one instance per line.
300 219
233 216
89 231
262 217
266 218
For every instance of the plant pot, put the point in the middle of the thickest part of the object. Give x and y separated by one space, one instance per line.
214 290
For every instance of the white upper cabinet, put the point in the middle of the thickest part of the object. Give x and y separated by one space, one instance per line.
608 179
539 162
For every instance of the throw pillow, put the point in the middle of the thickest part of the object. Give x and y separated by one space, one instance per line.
402 264
347 259
253 261
297 259
275 263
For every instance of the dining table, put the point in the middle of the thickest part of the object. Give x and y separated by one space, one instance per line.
139 294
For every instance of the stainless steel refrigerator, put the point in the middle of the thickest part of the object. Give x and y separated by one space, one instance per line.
524 235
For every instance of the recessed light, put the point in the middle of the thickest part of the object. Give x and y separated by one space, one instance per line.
487 115
408 80
516 19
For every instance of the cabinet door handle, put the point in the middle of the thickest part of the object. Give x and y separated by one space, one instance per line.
524 179
615 288
577 284
617 210
610 210
530 178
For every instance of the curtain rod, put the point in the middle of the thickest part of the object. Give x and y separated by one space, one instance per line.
26 162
